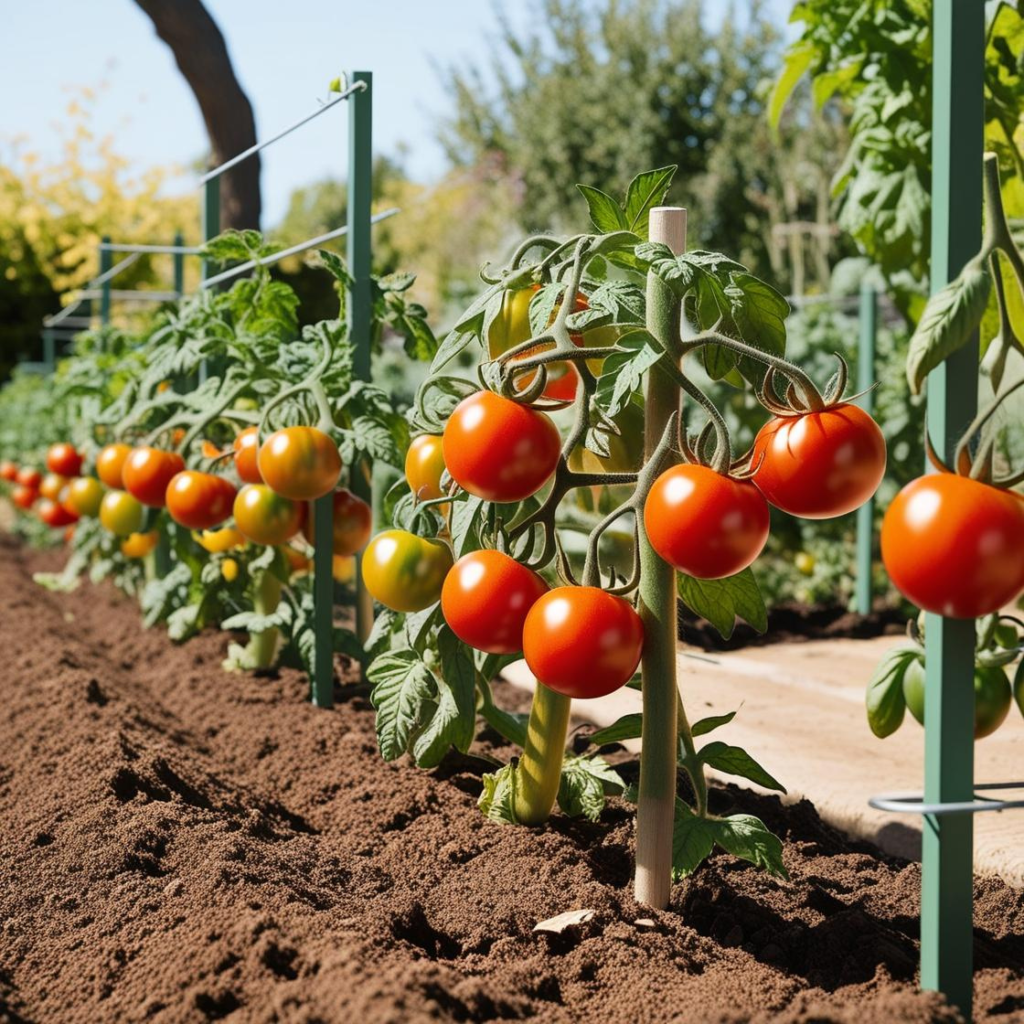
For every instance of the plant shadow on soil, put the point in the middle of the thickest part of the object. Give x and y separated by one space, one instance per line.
186 844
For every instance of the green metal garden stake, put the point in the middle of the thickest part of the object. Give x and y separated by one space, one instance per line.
49 349
179 265
106 262
958 115
209 228
865 380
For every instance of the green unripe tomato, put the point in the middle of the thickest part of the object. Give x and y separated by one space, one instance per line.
992 697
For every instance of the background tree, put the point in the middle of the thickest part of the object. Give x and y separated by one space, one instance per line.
202 57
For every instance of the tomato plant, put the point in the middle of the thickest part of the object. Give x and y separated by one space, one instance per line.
266 517
148 471
405 572
301 463
353 522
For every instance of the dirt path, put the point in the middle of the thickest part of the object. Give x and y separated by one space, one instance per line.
181 844
801 714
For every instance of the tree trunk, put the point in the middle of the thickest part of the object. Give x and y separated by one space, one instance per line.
202 57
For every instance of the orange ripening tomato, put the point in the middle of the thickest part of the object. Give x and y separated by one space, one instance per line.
110 464
955 546
63 460
301 463
85 495
8 471
266 517
138 545
199 500
819 465
498 449
582 642
704 523
353 522
424 465
53 513
24 497
485 600
30 478
148 471
246 448
52 484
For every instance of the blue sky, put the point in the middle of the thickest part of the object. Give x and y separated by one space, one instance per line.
284 54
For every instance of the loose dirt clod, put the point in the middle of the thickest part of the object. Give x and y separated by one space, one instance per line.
183 844
560 922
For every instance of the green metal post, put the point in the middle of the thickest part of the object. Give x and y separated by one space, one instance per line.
360 196
106 262
865 380
958 116
179 265
49 350
209 228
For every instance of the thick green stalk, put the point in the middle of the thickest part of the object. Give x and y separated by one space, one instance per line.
540 767
657 607
262 646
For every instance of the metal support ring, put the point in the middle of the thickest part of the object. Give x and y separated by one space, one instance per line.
913 802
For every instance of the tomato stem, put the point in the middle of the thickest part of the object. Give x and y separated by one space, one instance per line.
262 646
539 771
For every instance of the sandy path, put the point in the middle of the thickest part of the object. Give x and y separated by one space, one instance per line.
801 714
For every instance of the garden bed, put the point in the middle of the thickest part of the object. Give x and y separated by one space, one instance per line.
185 844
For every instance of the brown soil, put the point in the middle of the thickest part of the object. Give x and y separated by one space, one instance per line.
790 622
182 844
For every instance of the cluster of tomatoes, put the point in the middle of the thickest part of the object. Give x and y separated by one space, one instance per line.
579 640
293 466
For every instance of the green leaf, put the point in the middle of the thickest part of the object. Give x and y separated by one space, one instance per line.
497 801
736 761
722 601
748 838
401 686
798 59
605 213
759 312
949 319
886 705
510 724
628 727
692 841
623 371
706 725
584 783
453 722
647 190
332 262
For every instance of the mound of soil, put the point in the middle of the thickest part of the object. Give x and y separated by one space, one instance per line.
183 844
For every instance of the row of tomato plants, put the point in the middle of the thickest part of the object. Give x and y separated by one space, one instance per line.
552 508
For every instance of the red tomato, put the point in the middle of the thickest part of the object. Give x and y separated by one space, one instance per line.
246 448
582 642
63 460
486 598
264 516
498 449
301 463
955 546
24 497
148 471
199 500
110 465
30 478
424 464
353 522
821 464
54 514
8 471
705 524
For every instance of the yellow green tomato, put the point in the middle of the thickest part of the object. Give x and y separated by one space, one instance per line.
120 513
84 495
805 562
405 572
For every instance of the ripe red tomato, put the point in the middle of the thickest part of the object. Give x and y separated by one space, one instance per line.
821 464
147 472
353 522
955 546
110 465
301 463
405 572
705 524
199 500
266 517
52 485
582 642
24 497
53 513
30 478
498 449
63 460
424 464
8 471
246 448
486 598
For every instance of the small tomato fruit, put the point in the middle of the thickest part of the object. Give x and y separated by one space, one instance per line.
405 572
147 472
353 523
301 463
63 460
120 513
266 517
199 500
110 464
